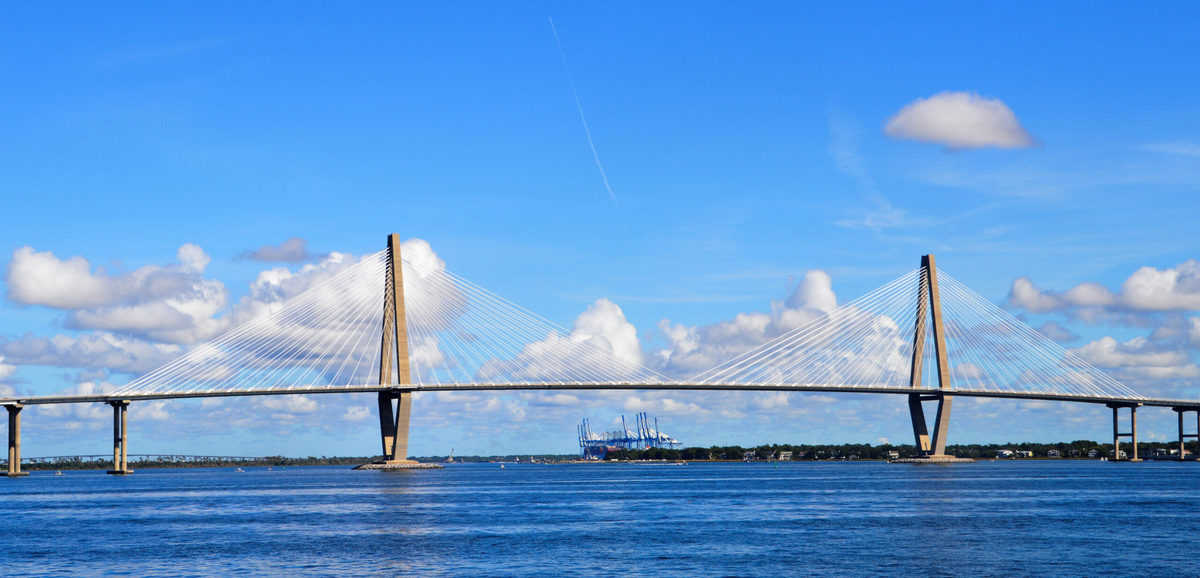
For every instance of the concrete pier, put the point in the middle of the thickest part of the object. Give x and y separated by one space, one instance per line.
398 465
14 441
1179 411
120 439
1131 434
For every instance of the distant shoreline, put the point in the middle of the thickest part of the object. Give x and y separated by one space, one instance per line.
1075 450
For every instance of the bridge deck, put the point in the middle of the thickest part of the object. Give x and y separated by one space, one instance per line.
670 386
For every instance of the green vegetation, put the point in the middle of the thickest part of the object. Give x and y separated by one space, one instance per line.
1079 449
74 463
544 458
1075 449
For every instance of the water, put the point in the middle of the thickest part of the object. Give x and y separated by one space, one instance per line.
987 518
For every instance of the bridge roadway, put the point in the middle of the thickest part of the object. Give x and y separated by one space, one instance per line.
391 430
668 386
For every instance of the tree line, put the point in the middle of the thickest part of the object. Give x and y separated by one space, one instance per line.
1074 449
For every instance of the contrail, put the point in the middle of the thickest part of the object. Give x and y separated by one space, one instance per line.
579 107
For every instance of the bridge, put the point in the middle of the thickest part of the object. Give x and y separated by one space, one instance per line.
396 326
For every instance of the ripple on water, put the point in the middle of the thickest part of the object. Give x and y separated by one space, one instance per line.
989 518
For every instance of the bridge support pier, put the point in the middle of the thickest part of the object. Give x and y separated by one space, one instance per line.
393 426
929 305
14 441
393 420
926 446
120 439
1179 411
1131 434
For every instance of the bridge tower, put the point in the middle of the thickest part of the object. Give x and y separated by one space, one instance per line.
395 404
929 304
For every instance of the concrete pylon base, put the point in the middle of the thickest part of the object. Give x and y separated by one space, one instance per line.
119 472
14 474
932 460
399 465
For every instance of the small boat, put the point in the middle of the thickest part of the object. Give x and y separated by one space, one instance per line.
502 466
240 470
58 472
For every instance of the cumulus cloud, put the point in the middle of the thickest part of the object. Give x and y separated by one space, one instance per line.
77 415
356 413
132 322
290 403
1147 289
1139 357
694 349
604 325
89 350
1159 290
171 303
6 370
664 405
1057 332
601 343
294 250
959 120
41 278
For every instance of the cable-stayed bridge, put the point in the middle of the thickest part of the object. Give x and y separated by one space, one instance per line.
396 325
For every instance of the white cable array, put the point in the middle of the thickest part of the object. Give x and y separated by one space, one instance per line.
869 343
329 337
863 343
326 336
1005 354
461 334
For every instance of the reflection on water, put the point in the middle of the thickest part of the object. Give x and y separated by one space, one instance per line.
997 518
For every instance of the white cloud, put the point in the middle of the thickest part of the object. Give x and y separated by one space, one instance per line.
1057 332
664 405
815 292
959 120
35 278
424 352
356 413
1139 357
152 410
133 322
192 259
553 399
419 255
5 369
770 400
601 343
604 325
1158 290
90 350
1147 289
76 415
1027 296
172 303
694 349
290 403
293 250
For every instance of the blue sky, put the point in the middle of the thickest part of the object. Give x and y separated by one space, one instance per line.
744 148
